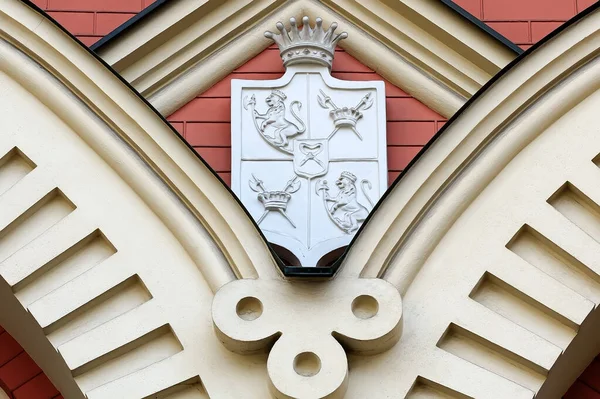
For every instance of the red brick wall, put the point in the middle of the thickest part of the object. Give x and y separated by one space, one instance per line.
90 20
524 22
205 121
587 385
20 377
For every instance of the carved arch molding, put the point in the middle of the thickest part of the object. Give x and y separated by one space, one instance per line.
128 270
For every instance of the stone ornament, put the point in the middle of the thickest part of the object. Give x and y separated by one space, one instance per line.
317 129
345 117
307 45
299 133
308 360
275 200
345 210
275 117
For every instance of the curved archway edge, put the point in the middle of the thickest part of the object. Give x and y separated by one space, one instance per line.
115 242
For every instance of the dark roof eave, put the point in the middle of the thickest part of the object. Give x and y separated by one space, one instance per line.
128 25
483 26
151 9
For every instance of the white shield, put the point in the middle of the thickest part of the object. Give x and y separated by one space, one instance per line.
308 157
311 157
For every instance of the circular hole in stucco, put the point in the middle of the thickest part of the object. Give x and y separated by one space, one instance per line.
307 364
249 308
365 306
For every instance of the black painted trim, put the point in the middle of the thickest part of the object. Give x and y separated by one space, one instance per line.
151 9
482 26
128 25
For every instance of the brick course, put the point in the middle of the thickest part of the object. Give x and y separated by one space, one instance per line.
90 20
524 22
20 376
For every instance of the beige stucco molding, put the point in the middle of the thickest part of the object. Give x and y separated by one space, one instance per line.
128 270
164 154
307 328
73 133
457 152
425 49
491 161
113 242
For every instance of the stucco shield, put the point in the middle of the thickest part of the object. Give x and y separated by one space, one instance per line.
308 157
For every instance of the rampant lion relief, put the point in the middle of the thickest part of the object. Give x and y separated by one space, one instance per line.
275 121
346 212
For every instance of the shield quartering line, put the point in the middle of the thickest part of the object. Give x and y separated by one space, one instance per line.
320 141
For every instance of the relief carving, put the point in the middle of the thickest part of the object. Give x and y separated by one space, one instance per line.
345 117
281 128
346 212
298 127
275 200
299 139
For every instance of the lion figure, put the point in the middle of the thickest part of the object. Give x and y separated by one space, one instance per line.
346 209
275 118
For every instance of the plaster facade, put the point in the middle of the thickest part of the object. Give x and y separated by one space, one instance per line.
512 178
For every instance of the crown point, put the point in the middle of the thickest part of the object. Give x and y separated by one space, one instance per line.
308 46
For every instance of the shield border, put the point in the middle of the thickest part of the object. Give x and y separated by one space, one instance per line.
307 258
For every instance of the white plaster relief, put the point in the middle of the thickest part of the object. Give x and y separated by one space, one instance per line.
315 130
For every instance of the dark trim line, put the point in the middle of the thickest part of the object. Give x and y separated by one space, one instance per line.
151 9
330 271
482 26
128 25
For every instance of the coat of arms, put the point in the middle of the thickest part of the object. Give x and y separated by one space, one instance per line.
308 150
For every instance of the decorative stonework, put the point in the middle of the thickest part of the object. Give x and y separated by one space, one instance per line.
306 46
345 210
345 117
274 119
308 359
493 237
275 200
300 142
318 129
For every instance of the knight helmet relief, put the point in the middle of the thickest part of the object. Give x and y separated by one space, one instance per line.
308 150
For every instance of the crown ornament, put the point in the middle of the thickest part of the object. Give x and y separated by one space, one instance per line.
348 175
273 200
345 117
308 45
279 94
